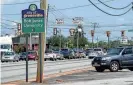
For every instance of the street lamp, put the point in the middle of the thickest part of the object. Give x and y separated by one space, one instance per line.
78 31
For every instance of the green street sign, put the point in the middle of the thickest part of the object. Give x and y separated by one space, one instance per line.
33 20
131 30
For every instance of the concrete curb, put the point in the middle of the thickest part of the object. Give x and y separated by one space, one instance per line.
51 76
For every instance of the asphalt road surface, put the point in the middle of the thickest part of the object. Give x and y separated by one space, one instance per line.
123 77
12 71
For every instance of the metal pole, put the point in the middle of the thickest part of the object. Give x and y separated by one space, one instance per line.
77 41
97 42
27 58
60 38
92 42
108 43
30 42
40 52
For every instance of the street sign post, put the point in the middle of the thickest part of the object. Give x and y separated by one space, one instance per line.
33 20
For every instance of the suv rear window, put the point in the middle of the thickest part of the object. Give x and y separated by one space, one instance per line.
97 50
64 49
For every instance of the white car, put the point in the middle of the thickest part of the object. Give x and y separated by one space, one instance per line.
59 55
99 50
10 56
49 55
92 54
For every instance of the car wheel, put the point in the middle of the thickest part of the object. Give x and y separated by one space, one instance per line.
114 66
131 69
99 69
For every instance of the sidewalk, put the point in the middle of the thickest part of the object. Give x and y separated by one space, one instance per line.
117 81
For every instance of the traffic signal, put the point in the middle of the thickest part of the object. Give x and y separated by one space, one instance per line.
108 33
72 31
92 33
19 28
122 33
55 31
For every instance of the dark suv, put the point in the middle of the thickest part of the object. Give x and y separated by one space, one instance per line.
116 59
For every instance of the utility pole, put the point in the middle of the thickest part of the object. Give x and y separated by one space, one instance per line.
92 35
93 32
94 26
59 22
42 43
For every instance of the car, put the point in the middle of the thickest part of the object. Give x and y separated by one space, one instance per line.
10 56
99 50
92 54
59 55
50 55
80 54
23 56
32 55
65 52
116 59
87 51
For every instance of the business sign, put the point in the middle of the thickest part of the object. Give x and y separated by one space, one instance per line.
59 21
33 20
77 20
124 40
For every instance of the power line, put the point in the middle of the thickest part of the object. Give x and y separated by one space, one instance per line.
6 24
8 20
113 7
107 12
21 3
81 6
65 8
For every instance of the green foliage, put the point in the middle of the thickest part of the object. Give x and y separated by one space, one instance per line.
55 41
18 48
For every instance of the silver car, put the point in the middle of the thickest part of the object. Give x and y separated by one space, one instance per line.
93 54
10 56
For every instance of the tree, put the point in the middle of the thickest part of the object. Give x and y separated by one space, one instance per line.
55 41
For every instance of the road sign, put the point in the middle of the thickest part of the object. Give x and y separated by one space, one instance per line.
33 20
131 30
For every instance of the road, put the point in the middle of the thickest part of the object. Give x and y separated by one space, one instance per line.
12 71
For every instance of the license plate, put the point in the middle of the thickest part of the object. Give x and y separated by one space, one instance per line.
96 64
